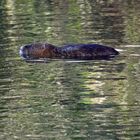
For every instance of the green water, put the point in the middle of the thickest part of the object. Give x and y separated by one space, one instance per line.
70 100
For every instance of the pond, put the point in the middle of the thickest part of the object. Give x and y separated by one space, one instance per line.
70 100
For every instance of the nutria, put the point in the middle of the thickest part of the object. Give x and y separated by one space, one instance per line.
74 51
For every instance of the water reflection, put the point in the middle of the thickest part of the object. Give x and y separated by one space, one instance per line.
69 100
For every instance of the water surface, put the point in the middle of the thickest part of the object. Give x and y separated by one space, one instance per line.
70 100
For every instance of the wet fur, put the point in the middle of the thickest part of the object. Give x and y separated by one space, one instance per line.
74 51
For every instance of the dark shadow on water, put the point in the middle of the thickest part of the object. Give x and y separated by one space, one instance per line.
48 60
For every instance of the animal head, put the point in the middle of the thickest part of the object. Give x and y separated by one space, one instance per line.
35 51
